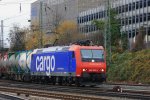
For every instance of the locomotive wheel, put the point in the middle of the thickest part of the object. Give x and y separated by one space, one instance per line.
70 81
60 80
77 82
13 77
46 80
65 81
26 78
53 80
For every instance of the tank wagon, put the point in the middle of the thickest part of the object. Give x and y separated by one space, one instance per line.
74 64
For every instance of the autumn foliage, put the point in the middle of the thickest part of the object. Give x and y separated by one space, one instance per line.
68 33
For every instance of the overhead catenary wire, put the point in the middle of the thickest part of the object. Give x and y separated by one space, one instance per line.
15 16
16 2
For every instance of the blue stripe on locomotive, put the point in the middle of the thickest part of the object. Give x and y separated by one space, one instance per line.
53 62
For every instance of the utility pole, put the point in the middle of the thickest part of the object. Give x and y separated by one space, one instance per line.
41 24
2 33
108 32
105 31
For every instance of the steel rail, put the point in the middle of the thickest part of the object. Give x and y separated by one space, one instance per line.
57 95
95 91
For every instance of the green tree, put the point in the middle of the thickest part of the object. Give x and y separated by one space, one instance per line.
100 24
114 28
124 41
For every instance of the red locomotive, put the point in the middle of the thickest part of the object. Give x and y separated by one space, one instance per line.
75 64
90 63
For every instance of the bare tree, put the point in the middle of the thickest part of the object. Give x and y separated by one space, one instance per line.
17 39
139 40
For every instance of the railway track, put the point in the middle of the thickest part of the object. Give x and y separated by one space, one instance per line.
57 95
71 92
4 96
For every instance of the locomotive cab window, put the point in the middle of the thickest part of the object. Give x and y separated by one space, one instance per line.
92 55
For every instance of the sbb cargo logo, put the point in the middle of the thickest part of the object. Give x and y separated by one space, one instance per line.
45 64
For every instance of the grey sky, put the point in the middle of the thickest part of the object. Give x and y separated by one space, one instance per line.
11 14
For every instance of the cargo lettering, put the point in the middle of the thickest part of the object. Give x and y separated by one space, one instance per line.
45 63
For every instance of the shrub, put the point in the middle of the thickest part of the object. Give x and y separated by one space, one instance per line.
130 67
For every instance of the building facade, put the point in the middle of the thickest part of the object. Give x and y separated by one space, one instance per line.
48 13
134 14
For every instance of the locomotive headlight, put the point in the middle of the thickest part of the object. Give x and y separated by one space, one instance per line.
84 70
102 70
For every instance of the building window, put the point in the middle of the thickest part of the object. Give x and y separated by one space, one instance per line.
104 13
141 4
86 29
119 9
148 16
144 17
130 20
148 2
86 19
130 7
123 22
81 19
145 3
123 9
133 19
133 33
96 15
100 14
137 19
133 6
93 28
126 21
126 7
78 20
141 18
137 5
129 32
149 31
90 17
89 29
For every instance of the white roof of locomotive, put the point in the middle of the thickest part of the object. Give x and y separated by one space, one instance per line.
52 49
